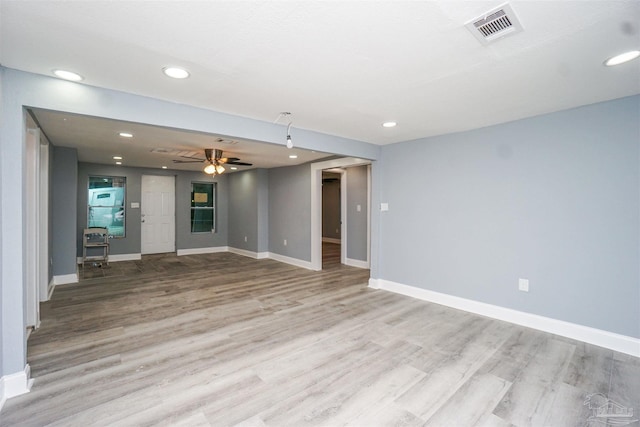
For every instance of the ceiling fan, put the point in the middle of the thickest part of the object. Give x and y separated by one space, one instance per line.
214 161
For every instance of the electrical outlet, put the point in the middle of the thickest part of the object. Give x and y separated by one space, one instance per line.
523 285
245 238
285 242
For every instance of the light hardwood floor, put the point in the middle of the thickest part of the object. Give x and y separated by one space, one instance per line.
221 339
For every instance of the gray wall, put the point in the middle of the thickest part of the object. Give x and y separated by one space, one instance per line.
331 205
64 210
290 211
554 199
263 209
3 291
247 206
357 191
131 243
12 294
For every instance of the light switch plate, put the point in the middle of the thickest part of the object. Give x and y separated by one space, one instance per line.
384 207
523 285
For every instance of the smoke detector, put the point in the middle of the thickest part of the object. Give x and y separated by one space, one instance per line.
495 24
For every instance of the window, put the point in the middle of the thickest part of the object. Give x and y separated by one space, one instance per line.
203 207
105 206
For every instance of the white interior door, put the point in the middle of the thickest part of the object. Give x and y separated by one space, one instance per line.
158 214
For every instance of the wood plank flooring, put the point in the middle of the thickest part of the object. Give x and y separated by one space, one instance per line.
224 340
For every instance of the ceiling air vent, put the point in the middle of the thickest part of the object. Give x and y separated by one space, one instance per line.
177 153
494 24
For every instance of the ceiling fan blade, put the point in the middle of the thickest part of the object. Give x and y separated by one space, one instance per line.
228 159
214 156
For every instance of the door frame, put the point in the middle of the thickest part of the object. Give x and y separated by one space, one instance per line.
46 288
316 207
36 204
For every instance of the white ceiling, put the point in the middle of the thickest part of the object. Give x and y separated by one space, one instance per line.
97 141
341 68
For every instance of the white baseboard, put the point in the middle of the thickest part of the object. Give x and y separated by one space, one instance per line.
610 340
356 263
15 384
124 257
64 279
271 255
293 261
250 254
197 251
331 240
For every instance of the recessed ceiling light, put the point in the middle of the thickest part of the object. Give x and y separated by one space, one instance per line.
68 75
389 124
293 156
233 168
118 163
117 157
164 167
175 72
126 134
622 58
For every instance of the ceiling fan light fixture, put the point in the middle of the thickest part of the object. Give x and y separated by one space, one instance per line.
210 169
219 169
622 58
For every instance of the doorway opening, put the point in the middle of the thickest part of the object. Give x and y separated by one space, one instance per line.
332 217
355 212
